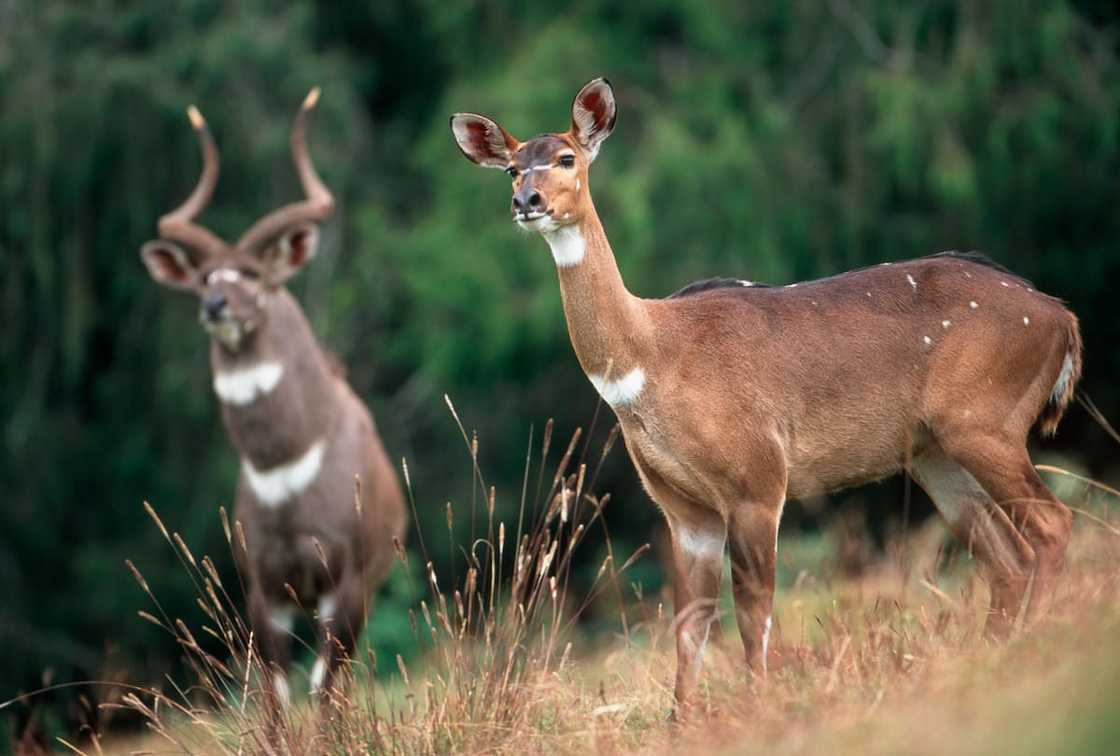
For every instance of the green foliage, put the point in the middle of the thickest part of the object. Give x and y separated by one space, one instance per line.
767 141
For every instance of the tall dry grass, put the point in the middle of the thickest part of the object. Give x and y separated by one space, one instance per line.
891 661
493 636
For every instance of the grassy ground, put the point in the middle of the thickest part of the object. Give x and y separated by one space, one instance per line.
891 661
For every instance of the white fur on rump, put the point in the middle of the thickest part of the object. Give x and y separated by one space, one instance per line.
1062 383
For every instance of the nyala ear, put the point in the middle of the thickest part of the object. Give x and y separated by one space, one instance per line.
291 252
169 265
483 141
593 116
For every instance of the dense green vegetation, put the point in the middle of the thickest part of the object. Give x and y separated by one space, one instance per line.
758 140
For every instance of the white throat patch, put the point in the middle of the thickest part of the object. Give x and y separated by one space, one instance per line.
622 391
241 387
567 244
274 487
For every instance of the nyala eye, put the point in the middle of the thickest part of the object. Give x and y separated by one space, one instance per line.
512 171
568 161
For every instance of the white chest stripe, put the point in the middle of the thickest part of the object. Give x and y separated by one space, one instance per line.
622 391
567 244
241 387
274 487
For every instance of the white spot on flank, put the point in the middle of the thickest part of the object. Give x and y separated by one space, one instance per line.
567 245
1062 383
946 323
1026 320
973 305
241 387
705 545
275 486
318 675
622 391
927 340
766 641
911 281
280 685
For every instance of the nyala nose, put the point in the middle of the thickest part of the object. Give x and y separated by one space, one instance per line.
531 202
213 305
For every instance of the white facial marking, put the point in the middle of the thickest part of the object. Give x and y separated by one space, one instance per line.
927 340
620 392
1063 380
223 274
327 607
241 387
911 281
703 545
567 245
274 487
318 675
766 641
973 305
280 617
578 185
946 323
280 685
1026 320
